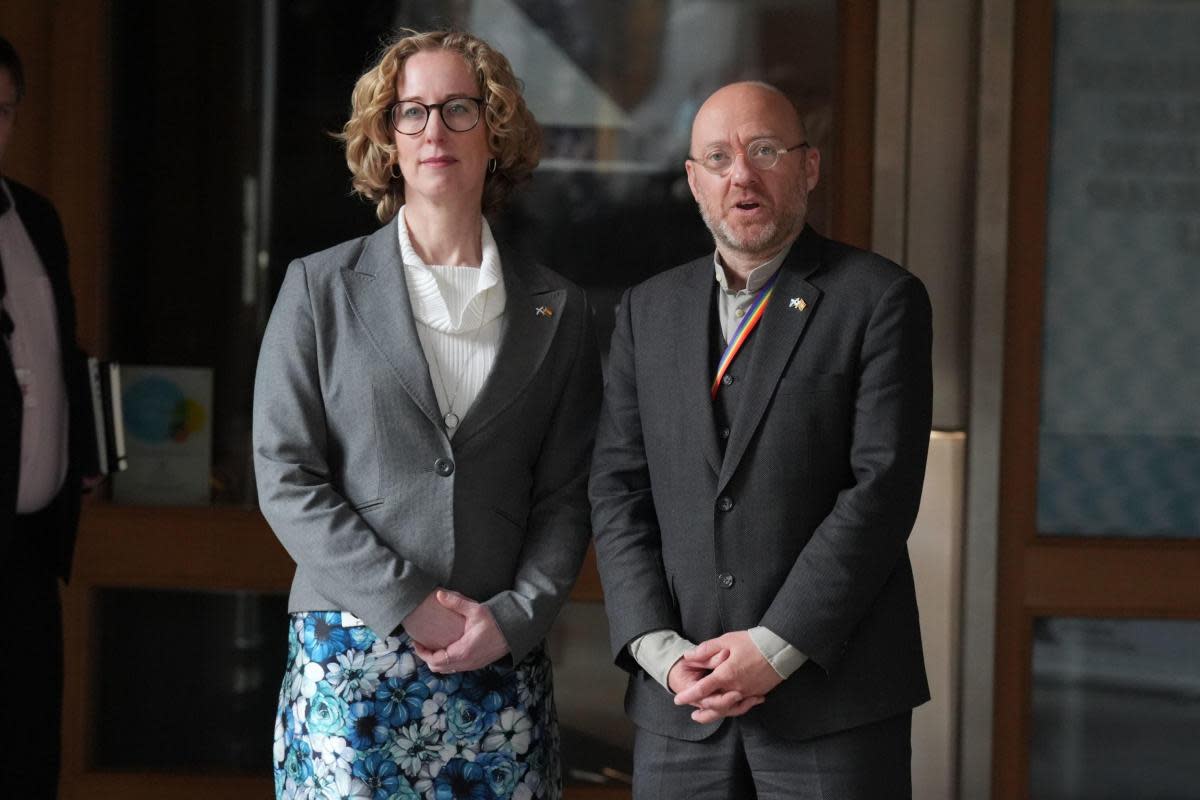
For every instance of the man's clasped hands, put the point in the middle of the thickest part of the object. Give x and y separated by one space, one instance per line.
723 677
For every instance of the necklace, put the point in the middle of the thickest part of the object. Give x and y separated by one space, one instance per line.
450 418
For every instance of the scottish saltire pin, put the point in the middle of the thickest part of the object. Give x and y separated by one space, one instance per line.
544 311
798 303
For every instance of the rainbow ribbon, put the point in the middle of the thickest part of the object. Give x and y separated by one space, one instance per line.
753 315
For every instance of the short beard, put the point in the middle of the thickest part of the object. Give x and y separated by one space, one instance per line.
768 240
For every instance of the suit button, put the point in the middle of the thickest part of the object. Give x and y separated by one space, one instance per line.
725 503
444 467
723 433
725 580
726 379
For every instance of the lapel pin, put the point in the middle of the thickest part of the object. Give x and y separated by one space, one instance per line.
798 304
544 311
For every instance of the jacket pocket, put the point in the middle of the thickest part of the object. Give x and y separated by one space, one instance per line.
517 521
812 383
369 505
671 589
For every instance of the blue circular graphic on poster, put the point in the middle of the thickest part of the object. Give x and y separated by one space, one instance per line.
152 409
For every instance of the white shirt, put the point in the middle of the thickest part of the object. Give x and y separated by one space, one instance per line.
37 360
460 319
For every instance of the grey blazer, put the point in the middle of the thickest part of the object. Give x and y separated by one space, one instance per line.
357 476
800 524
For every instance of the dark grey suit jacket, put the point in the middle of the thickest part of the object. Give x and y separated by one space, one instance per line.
810 507
358 479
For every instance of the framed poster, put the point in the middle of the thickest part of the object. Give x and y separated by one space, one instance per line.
168 430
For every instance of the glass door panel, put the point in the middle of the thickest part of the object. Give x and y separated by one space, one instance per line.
1097 601
1116 708
1119 444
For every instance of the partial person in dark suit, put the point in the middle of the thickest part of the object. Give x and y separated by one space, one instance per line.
751 504
46 449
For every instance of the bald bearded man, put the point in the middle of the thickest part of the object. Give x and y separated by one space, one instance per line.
757 472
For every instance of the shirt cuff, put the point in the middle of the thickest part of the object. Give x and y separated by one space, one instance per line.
782 657
657 651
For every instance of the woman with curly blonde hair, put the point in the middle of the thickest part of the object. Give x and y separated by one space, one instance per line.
424 411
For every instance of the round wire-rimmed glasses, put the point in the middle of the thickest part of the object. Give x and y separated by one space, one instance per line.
761 154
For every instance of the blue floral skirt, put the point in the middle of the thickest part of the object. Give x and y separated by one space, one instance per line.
364 717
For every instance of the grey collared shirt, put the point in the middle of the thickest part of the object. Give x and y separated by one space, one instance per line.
732 304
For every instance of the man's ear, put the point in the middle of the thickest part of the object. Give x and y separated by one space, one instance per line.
812 167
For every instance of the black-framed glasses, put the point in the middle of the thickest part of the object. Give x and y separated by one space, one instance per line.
459 114
761 153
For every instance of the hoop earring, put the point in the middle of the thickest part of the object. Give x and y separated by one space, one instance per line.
492 166
396 171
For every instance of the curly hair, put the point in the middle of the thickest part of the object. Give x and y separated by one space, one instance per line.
512 132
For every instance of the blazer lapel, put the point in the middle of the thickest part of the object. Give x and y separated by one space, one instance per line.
784 320
690 326
379 295
532 313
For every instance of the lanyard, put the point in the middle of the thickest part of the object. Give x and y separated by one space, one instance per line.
749 322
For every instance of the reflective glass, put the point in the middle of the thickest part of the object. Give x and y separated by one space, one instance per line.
1119 443
1116 709
186 681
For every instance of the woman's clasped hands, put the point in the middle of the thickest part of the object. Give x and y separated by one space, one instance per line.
452 633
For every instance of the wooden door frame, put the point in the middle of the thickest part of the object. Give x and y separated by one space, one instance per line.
1042 575
854 100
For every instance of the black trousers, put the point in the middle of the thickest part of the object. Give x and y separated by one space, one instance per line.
31 662
741 761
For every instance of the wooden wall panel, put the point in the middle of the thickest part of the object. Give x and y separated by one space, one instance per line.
27 24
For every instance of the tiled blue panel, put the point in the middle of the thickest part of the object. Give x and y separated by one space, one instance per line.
1119 486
